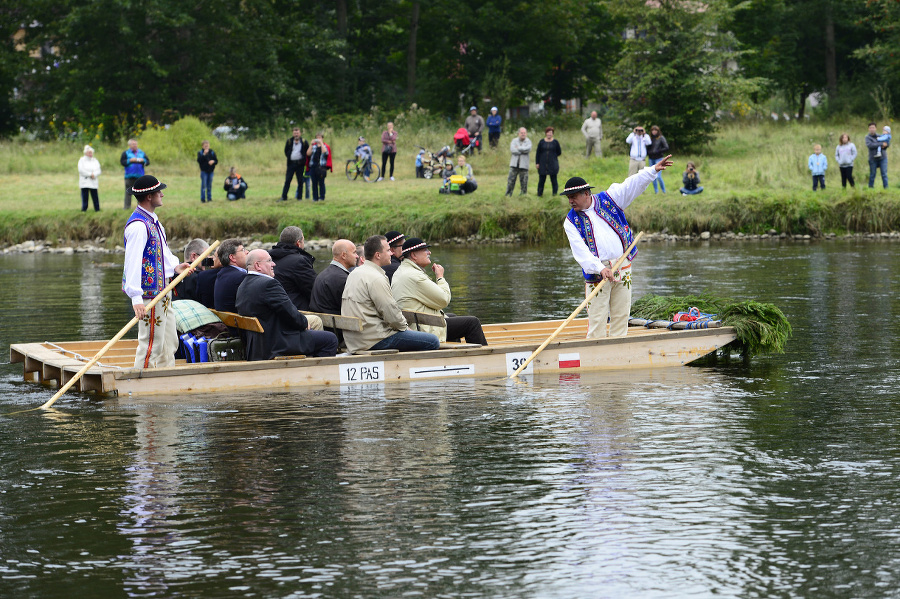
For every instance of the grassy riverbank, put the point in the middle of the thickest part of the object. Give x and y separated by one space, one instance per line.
755 177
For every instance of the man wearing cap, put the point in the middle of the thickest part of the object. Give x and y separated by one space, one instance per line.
149 264
395 240
493 122
598 234
367 296
414 290
475 125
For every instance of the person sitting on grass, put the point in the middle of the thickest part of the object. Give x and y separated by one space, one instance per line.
235 186
691 181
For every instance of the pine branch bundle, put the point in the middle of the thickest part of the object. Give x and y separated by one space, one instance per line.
761 328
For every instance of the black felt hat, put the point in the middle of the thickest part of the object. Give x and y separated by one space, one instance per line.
575 185
146 185
394 238
414 244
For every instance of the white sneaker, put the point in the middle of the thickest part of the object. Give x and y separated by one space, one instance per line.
379 179
392 178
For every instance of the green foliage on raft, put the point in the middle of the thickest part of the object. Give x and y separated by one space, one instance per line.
761 328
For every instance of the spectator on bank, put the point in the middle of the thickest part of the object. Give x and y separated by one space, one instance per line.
207 160
877 156
388 149
519 149
884 138
88 171
818 164
475 126
691 181
658 148
134 160
637 141
235 186
295 150
305 184
592 129
546 158
494 122
465 169
845 155
420 168
319 159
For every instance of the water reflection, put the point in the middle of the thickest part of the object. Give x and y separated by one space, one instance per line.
774 477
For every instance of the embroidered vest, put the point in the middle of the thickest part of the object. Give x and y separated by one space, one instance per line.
612 215
153 266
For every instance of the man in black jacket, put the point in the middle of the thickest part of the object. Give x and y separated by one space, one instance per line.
294 266
286 332
329 285
395 240
295 152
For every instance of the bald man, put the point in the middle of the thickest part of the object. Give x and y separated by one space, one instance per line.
286 329
329 285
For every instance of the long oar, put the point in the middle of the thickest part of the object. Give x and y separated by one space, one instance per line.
581 307
130 324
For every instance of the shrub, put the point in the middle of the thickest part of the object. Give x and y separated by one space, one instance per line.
177 143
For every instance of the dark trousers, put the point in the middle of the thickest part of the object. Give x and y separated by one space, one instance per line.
493 138
94 196
294 169
128 184
325 343
469 186
847 176
468 327
542 178
818 180
385 156
318 184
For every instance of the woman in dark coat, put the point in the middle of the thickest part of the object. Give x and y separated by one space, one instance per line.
547 161
658 148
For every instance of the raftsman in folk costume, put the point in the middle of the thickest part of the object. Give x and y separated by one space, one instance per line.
598 233
149 265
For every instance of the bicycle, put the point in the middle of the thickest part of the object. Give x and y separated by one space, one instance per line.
364 167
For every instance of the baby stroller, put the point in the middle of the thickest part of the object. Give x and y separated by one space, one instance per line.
435 163
464 143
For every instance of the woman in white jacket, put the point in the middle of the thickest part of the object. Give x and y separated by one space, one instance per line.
88 171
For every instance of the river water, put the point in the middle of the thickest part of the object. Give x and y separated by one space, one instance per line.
776 477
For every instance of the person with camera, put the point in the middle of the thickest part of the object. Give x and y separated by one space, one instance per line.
319 161
235 186
638 142
207 160
691 181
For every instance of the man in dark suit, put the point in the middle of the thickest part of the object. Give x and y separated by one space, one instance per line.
233 257
286 332
294 266
295 152
329 285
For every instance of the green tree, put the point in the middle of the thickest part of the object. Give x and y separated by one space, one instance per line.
678 69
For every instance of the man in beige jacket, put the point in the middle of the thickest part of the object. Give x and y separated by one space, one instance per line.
592 129
367 296
414 290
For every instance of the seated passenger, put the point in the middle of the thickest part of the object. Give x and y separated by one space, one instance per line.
395 240
294 266
414 290
285 328
233 257
235 186
367 296
187 289
329 285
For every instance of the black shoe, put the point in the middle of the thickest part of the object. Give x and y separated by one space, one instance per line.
282 199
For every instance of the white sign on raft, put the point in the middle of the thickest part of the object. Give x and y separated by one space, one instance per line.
362 372
514 361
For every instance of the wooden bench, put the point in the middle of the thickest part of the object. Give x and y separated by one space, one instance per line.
247 323
331 321
416 318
